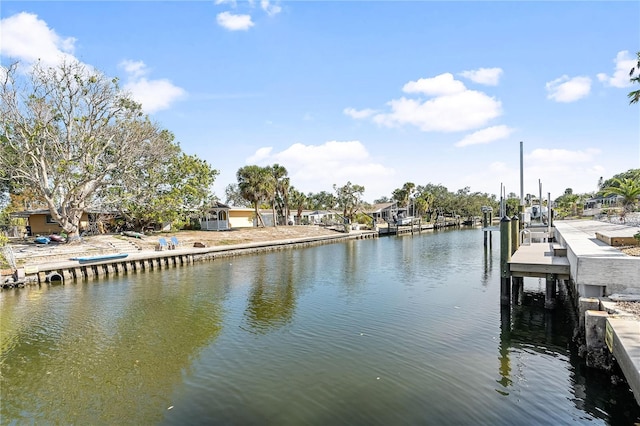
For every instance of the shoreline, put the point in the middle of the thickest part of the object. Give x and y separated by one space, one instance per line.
57 264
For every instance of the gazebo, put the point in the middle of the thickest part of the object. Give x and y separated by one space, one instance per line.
216 219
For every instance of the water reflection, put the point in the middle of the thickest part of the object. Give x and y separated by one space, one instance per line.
272 301
531 337
389 331
104 360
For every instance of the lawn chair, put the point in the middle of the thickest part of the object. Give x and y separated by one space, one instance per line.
162 244
174 243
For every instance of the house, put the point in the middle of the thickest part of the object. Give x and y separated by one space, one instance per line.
383 212
40 222
594 206
317 217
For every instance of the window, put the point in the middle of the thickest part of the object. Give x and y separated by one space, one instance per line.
50 219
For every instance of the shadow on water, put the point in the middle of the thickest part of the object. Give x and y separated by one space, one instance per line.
530 328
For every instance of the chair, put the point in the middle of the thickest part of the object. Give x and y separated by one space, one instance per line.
174 243
162 244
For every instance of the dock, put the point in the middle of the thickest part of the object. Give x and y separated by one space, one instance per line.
583 253
539 260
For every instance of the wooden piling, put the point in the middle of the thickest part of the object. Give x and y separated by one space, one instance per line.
550 291
505 257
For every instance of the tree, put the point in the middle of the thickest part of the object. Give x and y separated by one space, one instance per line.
633 174
628 189
279 183
321 201
403 195
349 198
233 197
168 186
382 200
298 201
634 77
254 183
567 204
66 132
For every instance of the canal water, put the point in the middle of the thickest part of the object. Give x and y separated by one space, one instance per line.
397 330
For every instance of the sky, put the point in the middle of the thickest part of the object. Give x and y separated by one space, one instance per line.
374 93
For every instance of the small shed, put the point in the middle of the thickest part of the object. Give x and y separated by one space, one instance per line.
216 219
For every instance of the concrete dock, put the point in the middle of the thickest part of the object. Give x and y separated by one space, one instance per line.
582 251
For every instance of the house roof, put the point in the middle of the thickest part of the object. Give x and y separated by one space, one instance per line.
377 208
219 205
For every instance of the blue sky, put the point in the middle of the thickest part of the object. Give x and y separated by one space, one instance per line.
372 92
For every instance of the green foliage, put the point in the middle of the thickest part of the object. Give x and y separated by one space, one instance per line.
627 188
570 204
633 174
74 140
233 197
255 187
298 201
432 200
634 77
349 198
637 237
167 188
321 201
403 195
363 219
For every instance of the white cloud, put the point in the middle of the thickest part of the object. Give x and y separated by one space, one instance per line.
562 156
317 167
154 95
443 84
260 155
620 78
565 89
451 108
271 9
27 38
135 69
359 114
451 113
488 76
231 2
485 136
234 22
559 169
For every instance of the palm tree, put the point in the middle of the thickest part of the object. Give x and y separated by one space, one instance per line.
254 184
279 185
298 201
628 189
634 96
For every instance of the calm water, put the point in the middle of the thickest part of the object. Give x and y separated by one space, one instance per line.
404 330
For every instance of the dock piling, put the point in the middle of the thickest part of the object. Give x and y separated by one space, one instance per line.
505 257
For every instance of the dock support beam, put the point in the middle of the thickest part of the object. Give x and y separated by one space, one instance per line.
505 257
550 293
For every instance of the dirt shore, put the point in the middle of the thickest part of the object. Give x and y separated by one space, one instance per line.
30 253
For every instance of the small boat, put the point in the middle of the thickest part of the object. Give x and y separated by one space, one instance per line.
100 258
133 234
42 240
